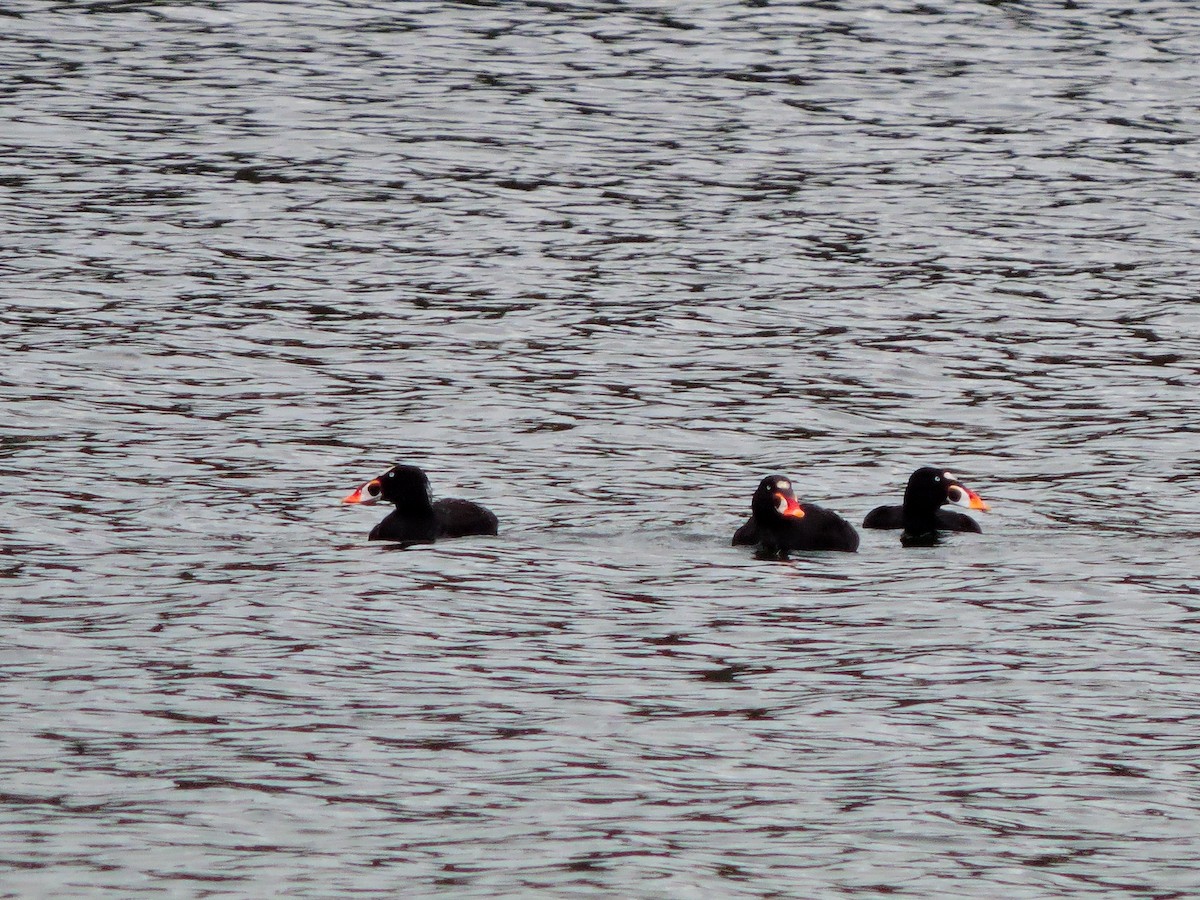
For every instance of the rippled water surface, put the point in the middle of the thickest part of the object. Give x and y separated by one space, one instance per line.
602 266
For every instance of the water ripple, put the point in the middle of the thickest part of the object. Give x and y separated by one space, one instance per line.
601 267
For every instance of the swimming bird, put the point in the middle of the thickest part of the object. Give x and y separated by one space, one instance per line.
417 518
921 515
779 523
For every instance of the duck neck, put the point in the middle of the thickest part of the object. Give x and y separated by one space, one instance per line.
415 508
413 504
918 515
766 515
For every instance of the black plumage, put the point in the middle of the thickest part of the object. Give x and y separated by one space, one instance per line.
921 516
417 518
779 523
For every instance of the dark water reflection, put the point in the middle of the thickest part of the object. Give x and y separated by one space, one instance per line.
602 265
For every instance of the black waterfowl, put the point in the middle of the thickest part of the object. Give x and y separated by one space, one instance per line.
780 523
921 515
417 518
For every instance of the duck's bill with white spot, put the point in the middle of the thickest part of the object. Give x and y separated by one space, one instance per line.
964 496
368 493
788 505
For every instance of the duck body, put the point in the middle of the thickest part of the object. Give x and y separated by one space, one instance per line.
451 518
747 535
750 535
417 519
921 516
779 523
944 519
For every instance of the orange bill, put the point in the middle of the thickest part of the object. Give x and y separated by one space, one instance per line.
368 493
788 505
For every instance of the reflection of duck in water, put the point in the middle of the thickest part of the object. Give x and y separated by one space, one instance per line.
417 518
921 515
779 523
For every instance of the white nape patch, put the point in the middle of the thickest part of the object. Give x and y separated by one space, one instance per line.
950 476
781 504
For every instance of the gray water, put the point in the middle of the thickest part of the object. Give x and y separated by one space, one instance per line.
600 266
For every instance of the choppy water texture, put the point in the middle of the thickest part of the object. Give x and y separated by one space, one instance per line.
601 265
